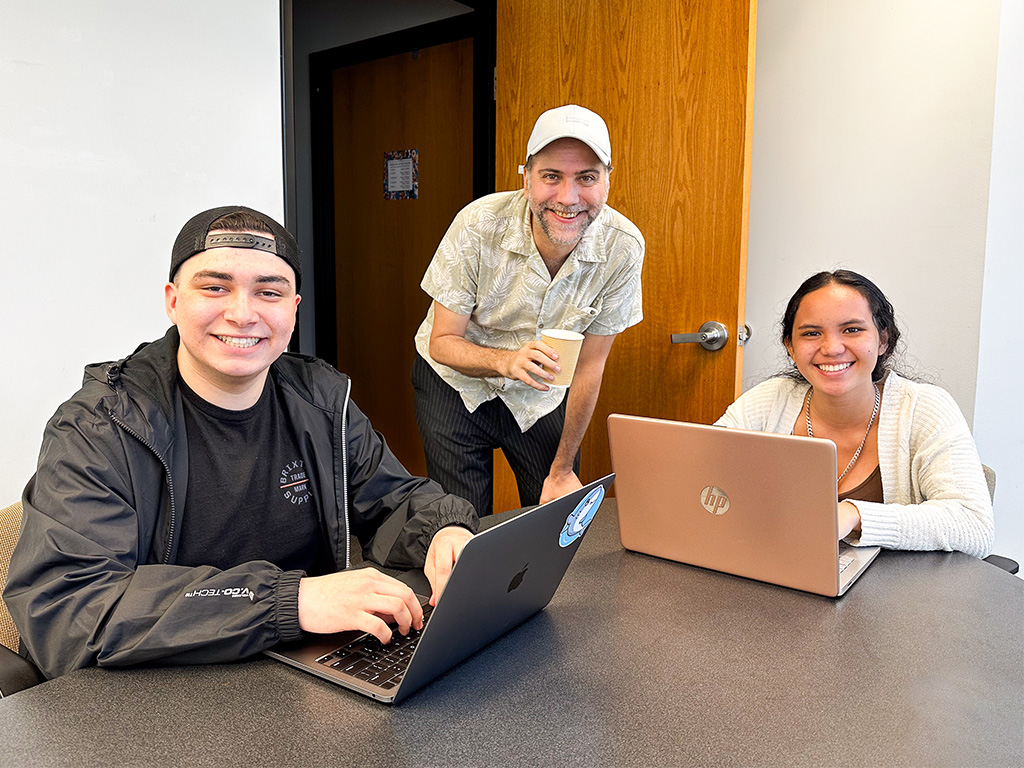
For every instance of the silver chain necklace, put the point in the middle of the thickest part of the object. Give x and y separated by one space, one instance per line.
874 413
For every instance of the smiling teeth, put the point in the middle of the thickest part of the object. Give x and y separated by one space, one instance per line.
232 341
835 368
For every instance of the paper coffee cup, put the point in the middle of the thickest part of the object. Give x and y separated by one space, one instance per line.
567 344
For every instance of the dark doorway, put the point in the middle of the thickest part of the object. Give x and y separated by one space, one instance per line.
428 89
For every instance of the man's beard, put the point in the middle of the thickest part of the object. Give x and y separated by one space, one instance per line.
572 233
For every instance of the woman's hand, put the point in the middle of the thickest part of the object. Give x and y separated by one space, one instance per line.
849 519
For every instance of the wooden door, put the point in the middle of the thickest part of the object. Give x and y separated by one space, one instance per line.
673 80
421 100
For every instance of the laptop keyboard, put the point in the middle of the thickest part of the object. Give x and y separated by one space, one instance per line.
844 561
367 658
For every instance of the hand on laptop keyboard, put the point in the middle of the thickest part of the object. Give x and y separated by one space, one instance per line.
363 599
849 519
368 659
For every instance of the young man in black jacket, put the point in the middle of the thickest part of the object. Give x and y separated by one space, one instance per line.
193 502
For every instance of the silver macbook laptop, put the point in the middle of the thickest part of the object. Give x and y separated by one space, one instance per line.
504 576
753 504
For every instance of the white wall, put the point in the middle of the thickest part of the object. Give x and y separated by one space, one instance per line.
119 121
998 414
873 131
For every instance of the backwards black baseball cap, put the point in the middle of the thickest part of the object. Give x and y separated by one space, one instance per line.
195 237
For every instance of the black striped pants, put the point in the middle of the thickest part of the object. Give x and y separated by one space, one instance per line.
459 445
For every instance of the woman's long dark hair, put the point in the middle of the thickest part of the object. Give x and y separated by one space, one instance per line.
881 311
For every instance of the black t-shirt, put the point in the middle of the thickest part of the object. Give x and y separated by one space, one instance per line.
249 493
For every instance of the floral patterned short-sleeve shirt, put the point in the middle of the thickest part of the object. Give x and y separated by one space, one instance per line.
488 267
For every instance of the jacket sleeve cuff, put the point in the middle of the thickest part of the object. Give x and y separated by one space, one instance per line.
286 606
469 521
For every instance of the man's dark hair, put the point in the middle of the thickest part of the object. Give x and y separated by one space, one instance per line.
241 221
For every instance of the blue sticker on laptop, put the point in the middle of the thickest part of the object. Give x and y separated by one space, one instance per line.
578 520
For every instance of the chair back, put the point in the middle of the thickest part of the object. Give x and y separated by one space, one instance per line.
1006 563
990 478
10 526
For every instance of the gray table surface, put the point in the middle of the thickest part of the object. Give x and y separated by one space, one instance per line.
636 661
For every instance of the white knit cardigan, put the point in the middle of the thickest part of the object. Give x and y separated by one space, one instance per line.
933 486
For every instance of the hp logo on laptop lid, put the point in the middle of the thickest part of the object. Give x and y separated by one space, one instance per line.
714 500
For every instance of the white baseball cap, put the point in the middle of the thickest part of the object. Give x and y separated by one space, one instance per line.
571 122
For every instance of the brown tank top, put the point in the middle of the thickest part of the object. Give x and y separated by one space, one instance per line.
869 490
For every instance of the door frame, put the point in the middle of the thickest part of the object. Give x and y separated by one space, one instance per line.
479 25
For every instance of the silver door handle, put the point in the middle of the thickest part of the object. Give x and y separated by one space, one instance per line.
712 336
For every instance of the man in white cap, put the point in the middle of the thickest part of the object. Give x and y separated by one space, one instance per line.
512 264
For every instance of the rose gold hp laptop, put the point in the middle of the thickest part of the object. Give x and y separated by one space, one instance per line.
752 504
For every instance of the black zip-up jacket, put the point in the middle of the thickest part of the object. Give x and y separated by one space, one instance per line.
92 580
